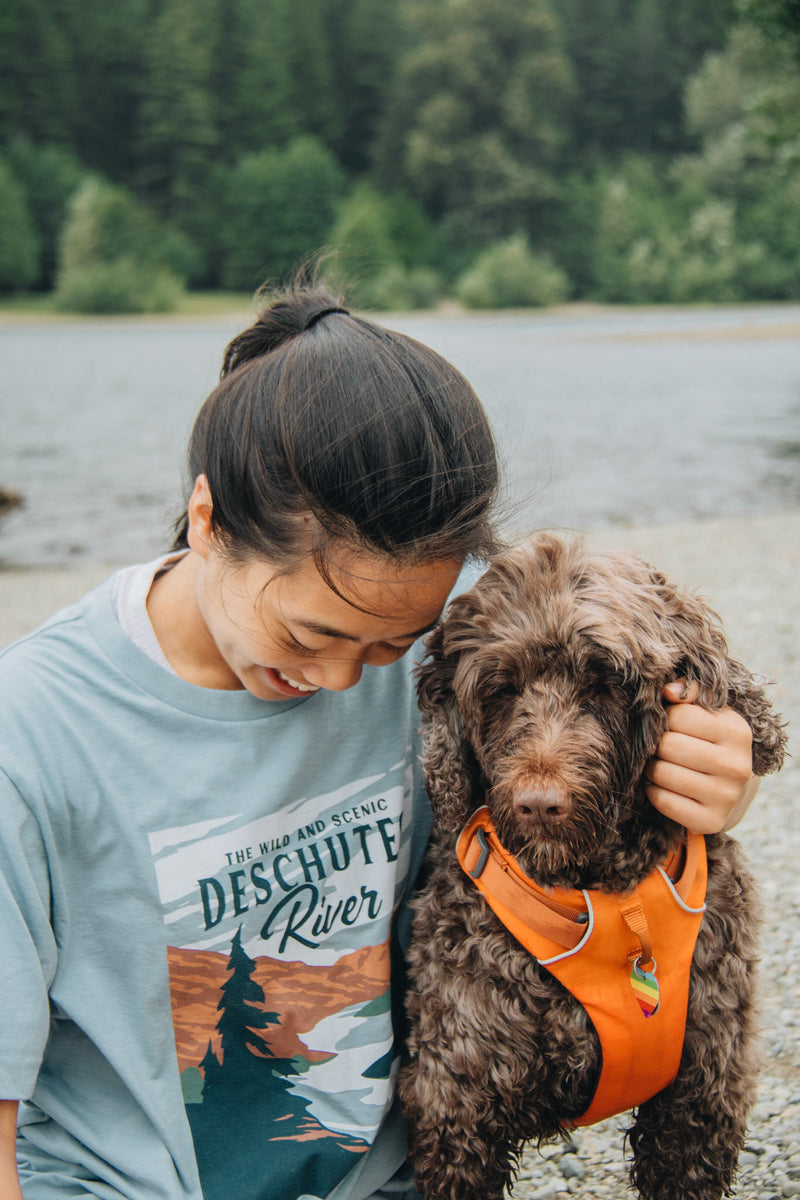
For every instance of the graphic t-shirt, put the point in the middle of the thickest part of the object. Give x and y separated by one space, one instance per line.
198 922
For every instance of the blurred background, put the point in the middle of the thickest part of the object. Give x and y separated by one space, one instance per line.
620 177
501 152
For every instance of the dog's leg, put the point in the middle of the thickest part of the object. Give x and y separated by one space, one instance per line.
458 1152
458 1137
687 1139
480 1079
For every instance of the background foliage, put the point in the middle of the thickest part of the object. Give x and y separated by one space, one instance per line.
502 151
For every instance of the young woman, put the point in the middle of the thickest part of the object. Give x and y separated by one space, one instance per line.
207 830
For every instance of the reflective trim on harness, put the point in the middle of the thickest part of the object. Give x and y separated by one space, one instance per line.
625 958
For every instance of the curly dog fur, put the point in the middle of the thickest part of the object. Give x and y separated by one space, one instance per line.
542 697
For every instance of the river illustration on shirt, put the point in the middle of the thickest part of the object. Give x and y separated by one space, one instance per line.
278 946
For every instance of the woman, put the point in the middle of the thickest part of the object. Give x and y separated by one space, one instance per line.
208 830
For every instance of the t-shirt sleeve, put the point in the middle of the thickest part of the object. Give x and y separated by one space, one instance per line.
28 951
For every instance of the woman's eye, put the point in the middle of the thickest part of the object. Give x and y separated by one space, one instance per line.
294 644
397 651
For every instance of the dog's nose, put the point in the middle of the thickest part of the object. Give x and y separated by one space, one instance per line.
549 805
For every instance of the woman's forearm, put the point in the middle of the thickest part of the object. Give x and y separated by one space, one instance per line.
9 1180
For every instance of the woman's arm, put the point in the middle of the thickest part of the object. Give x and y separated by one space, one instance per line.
702 775
9 1180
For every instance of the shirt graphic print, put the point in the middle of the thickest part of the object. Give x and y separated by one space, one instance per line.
278 943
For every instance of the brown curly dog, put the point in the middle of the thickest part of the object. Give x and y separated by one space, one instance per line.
542 698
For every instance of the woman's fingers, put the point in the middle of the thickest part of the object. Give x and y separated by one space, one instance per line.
703 767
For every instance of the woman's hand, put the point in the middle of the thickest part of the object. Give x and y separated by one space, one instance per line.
702 775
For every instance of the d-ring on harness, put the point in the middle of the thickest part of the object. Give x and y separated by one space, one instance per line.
601 946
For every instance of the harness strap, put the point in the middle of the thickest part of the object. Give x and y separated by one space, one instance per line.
603 947
634 917
482 857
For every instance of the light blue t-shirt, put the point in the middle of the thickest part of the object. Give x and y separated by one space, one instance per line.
198 924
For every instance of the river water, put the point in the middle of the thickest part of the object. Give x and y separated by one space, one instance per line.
603 417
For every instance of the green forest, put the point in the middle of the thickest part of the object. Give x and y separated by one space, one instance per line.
497 152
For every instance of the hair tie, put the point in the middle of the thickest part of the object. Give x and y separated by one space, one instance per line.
319 313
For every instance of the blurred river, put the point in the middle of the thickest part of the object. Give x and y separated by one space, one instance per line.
603 417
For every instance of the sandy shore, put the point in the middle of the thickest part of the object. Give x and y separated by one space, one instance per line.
750 569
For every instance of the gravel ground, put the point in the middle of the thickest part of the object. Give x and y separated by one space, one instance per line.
750 570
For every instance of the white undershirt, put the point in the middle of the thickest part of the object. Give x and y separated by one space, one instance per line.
129 599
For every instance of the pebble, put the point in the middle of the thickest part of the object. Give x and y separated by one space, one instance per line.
750 569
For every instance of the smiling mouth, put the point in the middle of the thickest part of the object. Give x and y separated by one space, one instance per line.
305 689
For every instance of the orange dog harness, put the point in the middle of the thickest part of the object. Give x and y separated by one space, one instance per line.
625 958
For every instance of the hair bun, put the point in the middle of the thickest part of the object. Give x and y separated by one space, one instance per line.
282 320
313 317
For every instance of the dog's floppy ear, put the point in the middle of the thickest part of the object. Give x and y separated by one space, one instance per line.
704 657
448 779
699 650
747 697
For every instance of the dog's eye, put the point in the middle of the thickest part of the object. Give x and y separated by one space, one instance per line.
501 688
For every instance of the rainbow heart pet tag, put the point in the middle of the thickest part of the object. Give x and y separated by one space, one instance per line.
645 988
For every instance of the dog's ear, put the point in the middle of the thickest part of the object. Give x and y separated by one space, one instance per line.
747 697
703 656
699 649
448 778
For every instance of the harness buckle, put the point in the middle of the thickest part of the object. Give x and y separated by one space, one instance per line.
483 858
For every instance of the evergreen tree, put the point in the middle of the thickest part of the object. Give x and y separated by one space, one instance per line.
631 59
38 83
239 1015
249 1071
107 43
777 18
366 39
177 134
19 245
50 176
251 79
476 128
278 209
304 45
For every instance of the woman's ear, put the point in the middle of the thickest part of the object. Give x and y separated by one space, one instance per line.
199 529
448 778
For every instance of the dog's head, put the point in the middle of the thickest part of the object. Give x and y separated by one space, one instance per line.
541 696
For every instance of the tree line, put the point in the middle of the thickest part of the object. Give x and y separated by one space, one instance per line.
503 151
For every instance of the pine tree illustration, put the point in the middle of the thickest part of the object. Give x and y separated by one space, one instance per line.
248 1066
250 1111
240 1016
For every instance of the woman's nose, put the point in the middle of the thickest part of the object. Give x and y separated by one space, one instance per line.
335 675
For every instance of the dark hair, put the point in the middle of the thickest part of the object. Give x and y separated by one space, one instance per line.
375 435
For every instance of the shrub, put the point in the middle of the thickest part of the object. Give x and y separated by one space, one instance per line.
19 245
381 247
112 255
50 175
509 275
398 288
278 207
362 239
121 286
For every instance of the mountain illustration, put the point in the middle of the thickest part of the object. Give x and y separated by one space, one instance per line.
303 996
252 1130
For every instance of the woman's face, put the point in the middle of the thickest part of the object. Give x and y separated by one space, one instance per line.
288 635
283 635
